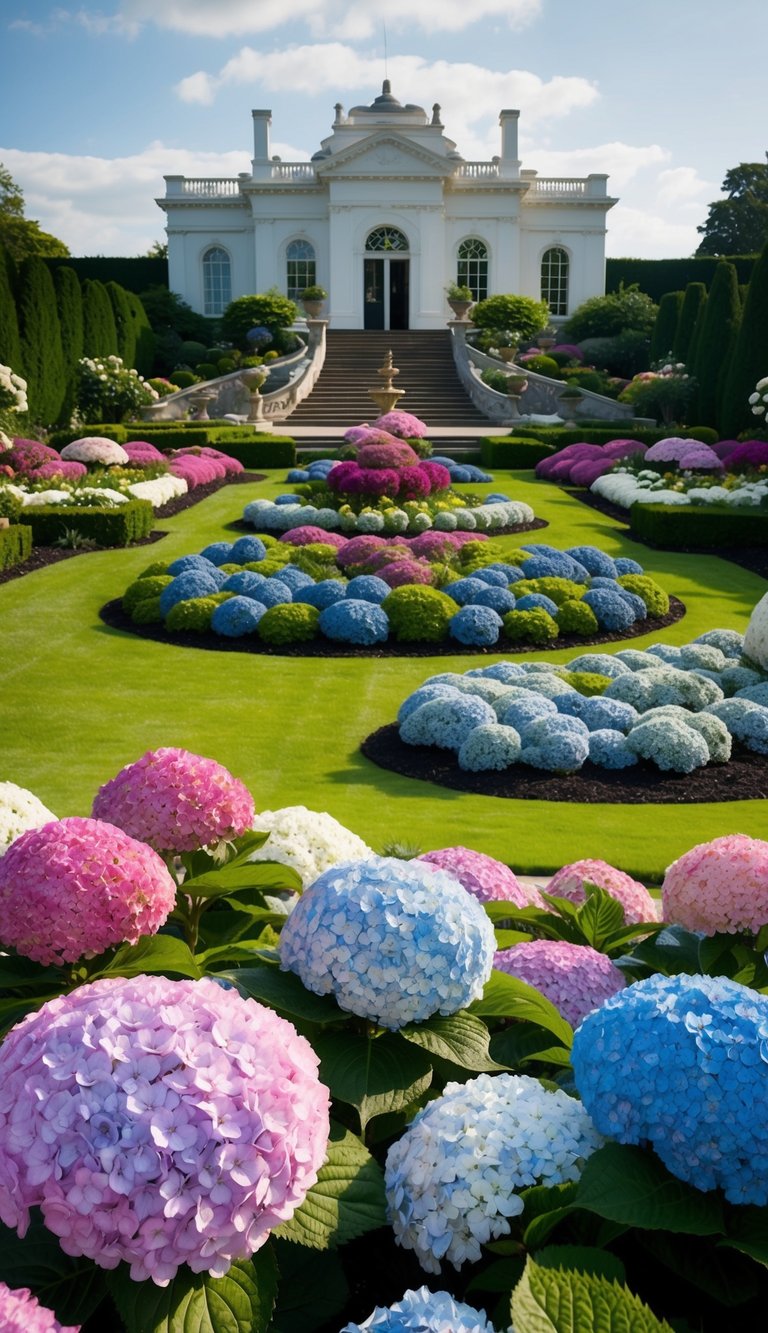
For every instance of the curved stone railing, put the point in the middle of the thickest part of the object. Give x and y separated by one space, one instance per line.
541 398
229 396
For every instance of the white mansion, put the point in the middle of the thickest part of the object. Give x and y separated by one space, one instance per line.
384 216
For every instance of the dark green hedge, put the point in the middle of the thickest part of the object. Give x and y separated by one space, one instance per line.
658 276
682 527
134 274
514 452
15 544
107 527
557 437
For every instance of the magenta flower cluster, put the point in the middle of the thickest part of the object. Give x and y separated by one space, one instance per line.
158 1122
365 434
397 454
574 977
307 533
436 545
718 886
402 571
76 886
403 424
176 801
483 876
20 1312
751 453
412 482
570 881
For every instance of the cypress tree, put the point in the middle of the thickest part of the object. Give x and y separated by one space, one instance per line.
145 338
69 299
750 354
694 298
665 328
717 325
99 329
41 349
10 341
126 333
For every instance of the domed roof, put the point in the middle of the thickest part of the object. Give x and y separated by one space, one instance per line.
387 104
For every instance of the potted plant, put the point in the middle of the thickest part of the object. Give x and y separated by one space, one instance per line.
506 344
459 298
571 399
312 300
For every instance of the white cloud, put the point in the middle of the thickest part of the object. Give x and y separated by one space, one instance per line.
619 161
349 19
683 187
645 233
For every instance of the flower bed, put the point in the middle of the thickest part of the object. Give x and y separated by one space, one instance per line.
364 592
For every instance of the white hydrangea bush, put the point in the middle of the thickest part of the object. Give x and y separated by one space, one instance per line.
310 841
20 810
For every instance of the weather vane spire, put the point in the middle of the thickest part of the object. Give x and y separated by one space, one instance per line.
386 70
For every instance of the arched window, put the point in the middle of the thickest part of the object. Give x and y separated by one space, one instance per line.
472 267
554 279
217 281
386 238
300 268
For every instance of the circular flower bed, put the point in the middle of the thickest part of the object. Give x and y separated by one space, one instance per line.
158 1154
365 591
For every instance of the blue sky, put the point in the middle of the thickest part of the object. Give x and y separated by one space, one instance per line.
96 105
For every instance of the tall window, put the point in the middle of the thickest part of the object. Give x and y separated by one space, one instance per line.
300 268
472 267
386 238
554 280
217 281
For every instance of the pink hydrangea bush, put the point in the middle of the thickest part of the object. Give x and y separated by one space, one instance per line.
225 461
307 533
21 1312
397 454
403 424
483 876
75 887
574 977
402 571
67 471
143 447
158 1122
365 434
570 881
176 801
26 456
96 450
719 886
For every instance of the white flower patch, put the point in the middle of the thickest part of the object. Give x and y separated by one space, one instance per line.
310 841
160 490
20 810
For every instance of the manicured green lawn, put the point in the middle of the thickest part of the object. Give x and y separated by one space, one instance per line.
80 700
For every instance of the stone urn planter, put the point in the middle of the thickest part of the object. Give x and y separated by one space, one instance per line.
570 402
508 354
460 299
253 377
460 308
312 299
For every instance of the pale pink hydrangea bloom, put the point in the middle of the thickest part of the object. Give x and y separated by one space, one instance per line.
719 886
21 1312
403 424
634 897
483 876
95 449
574 977
176 801
158 1122
77 886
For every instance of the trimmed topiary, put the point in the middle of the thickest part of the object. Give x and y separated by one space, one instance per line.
535 626
655 598
194 615
296 622
419 614
576 618
144 588
147 612
588 683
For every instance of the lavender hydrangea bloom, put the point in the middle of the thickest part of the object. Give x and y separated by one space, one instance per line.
574 977
393 941
680 1062
424 1311
453 1179
20 1312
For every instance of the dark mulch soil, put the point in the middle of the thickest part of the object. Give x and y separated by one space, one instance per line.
743 778
113 615
42 556
753 558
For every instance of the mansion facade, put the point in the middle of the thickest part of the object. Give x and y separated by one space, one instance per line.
384 216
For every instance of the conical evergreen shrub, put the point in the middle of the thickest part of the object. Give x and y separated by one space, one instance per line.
99 329
145 338
126 332
10 341
41 347
694 298
718 324
750 354
69 300
665 328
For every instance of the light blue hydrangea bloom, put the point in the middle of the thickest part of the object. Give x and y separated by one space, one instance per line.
464 591
636 660
287 498
453 1179
186 562
746 721
704 656
246 549
446 722
666 652
605 664
491 575
247 582
729 641
368 588
424 1311
393 941
712 729
596 562
559 744
756 694
476 626
735 678
294 578
596 712
669 743
298 474
323 594
236 617
531 600
191 583
431 690
682 1062
626 566
523 707
498 599
495 497
274 592
612 610
490 747
352 621
219 553
609 749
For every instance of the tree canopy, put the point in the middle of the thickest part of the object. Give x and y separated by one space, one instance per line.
738 225
21 236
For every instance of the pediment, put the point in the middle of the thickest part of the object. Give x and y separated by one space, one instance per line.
382 155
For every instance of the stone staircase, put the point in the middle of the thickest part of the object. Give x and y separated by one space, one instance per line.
433 391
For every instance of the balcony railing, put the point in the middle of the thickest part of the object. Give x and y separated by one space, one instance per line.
215 187
478 171
293 171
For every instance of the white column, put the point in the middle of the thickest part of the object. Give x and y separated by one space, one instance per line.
509 162
262 121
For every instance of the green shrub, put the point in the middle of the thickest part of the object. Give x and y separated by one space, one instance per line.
270 309
541 364
559 590
694 298
418 614
183 379
603 316
535 626
143 588
577 617
193 351
513 452
495 379
10 505
108 430
157 567
521 313
194 615
587 683
665 328
559 436
206 370
294 622
252 448
147 612
622 354
655 598
120 526
226 365
15 545
680 527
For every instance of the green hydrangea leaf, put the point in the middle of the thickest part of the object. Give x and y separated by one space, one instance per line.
558 1300
508 997
461 1038
375 1075
347 1201
284 993
71 1287
240 1302
631 1186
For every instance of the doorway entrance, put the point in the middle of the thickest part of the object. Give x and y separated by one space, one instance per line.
386 274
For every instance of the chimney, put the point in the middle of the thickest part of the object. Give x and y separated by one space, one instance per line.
262 121
510 162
